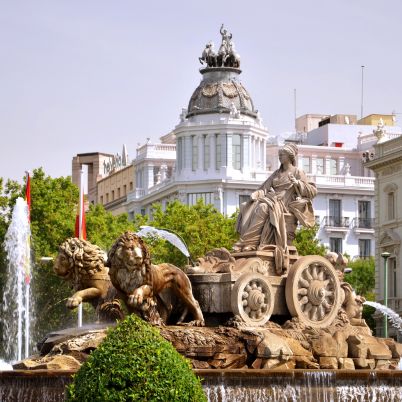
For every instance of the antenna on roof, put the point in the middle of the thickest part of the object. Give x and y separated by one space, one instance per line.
361 105
295 111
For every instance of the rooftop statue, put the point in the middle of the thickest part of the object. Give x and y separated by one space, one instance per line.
270 216
227 55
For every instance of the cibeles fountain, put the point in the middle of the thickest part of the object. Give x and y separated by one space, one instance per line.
258 322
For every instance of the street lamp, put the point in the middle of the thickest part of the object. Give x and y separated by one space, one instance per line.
385 255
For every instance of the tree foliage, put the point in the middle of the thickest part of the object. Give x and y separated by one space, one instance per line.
134 363
103 228
202 227
307 243
362 277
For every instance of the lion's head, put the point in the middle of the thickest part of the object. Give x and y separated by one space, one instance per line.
78 258
129 251
129 261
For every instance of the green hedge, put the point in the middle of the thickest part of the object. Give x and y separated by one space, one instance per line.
134 363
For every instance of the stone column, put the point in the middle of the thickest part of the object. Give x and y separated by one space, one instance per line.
150 177
187 152
212 150
314 164
327 162
229 151
252 152
341 165
264 155
245 153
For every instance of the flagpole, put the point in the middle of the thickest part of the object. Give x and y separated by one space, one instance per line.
80 216
27 266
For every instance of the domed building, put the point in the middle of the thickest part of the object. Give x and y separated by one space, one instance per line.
220 144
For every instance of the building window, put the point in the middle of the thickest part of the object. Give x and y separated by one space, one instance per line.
306 161
335 244
333 166
236 152
118 192
131 215
131 186
392 278
364 248
391 206
143 212
101 199
107 198
364 214
335 213
112 195
206 152
192 198
243 198
218 151
320 166
125 189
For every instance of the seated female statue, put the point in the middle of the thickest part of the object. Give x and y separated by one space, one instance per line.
285 196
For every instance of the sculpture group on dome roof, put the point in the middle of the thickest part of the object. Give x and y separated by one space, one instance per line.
226 56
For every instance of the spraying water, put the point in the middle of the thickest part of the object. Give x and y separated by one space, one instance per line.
16 298
393 317
165 234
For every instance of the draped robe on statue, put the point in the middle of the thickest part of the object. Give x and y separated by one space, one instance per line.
262 221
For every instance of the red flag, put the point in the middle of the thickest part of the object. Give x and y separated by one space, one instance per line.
82 234
28 195
80 223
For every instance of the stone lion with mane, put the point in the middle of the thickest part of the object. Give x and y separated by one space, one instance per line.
83 265
153 291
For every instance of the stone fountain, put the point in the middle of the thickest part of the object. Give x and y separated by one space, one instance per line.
258 321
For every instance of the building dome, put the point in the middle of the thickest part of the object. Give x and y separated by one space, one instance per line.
220 91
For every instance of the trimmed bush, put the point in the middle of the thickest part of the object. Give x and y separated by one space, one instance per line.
134 363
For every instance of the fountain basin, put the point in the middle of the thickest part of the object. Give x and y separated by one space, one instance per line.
233 385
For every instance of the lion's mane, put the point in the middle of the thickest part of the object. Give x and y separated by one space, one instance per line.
116 259
84 258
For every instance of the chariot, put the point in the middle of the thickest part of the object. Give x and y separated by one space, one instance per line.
255 285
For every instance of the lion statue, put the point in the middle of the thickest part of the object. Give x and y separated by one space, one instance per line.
153 291
83 265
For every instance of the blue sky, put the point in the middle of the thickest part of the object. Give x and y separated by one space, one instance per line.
83 76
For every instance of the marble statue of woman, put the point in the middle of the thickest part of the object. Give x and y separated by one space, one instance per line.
284 197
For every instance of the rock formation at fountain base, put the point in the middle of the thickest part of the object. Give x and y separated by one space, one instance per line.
291 346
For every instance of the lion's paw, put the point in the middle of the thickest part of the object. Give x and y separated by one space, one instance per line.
74 301
136 298
194 323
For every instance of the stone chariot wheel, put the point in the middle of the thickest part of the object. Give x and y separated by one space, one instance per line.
313 292
252 299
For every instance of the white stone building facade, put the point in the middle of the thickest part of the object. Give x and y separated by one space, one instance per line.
387 166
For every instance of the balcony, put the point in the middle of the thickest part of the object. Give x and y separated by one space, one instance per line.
363 225
336 224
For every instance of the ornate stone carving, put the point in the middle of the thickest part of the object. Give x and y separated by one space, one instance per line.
388 171
380 132
147 288
270 216
83 264
227 55
313 291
